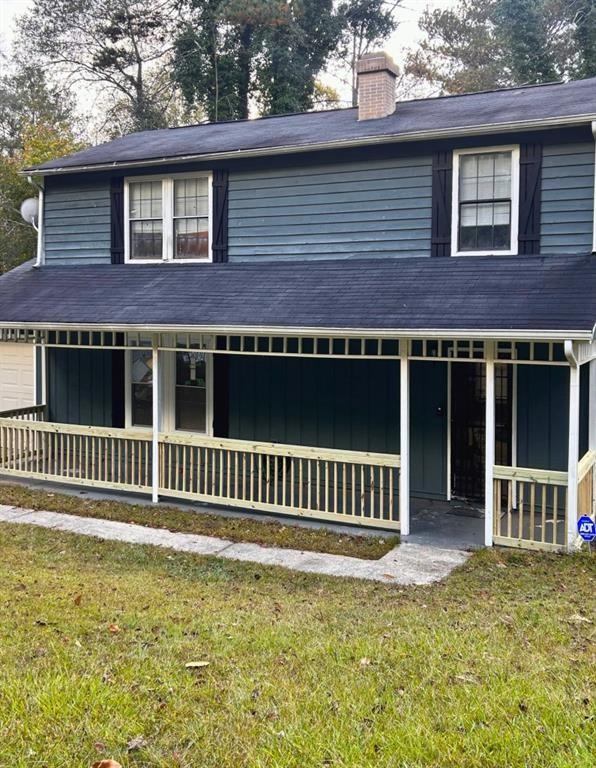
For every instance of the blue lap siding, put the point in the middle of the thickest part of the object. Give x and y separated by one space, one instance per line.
376 208
77 224
567 198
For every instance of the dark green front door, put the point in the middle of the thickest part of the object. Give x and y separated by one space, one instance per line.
428 429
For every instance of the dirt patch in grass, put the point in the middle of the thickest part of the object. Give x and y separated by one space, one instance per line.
492 668
272 534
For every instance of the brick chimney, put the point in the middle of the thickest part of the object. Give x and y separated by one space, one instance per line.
376 85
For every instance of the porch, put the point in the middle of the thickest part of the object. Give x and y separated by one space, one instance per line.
521 506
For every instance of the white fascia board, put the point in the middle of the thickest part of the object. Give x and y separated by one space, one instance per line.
388 333
463 132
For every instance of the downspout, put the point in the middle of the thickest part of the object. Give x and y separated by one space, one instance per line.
39 256
570 354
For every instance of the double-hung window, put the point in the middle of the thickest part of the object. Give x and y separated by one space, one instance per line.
186 389
485 201
168 218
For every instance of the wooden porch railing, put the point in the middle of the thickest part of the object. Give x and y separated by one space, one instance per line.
341 486
586 485
91 456
29 413
530 508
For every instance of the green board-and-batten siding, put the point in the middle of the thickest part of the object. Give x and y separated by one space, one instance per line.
77 224
567 198
350 210
349 404
80 386
542 417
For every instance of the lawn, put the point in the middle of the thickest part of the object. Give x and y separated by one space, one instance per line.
269 533
493 667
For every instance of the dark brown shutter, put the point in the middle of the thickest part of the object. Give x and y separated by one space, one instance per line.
442 175
530 194
220 216
117 221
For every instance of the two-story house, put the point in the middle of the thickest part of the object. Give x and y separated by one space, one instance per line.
324 314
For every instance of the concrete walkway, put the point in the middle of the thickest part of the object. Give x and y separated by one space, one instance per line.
407 564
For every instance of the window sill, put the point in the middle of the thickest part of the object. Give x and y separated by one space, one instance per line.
168 261
486 253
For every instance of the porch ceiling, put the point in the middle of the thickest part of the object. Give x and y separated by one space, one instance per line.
545 297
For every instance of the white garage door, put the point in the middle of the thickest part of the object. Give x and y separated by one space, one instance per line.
17 376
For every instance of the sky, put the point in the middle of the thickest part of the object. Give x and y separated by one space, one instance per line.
407 35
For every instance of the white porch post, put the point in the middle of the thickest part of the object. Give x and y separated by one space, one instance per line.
404 438
490 444
573 459
156 425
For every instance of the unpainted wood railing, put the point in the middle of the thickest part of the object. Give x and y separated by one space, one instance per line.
344 486
91 456
530 508
29 413
586 485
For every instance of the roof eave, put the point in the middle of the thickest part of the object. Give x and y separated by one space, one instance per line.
479 130
507 334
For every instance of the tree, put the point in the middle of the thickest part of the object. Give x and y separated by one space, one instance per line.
483 44
367 24
230 53
114 44
527 32
26 98
39 141
585 38
460 51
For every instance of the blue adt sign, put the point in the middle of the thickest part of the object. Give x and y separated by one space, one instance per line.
586 528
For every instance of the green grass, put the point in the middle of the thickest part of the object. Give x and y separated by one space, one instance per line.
493 667
273 534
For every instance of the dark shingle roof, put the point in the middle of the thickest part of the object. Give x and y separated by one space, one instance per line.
530 293
411 118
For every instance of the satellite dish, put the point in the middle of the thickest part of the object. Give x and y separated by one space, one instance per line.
30 211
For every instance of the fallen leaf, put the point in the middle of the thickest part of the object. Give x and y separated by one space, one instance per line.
579 619
196 664
77 599
467 678
138 743
106 764
114 629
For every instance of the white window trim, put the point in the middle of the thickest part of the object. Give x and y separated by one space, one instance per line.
167 393
167 204
457 153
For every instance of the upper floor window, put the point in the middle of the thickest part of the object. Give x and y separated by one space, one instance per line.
485 201
168 219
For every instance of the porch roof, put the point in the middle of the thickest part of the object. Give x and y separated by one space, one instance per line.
529 296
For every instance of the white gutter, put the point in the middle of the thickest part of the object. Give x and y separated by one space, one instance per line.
463 131
384 333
